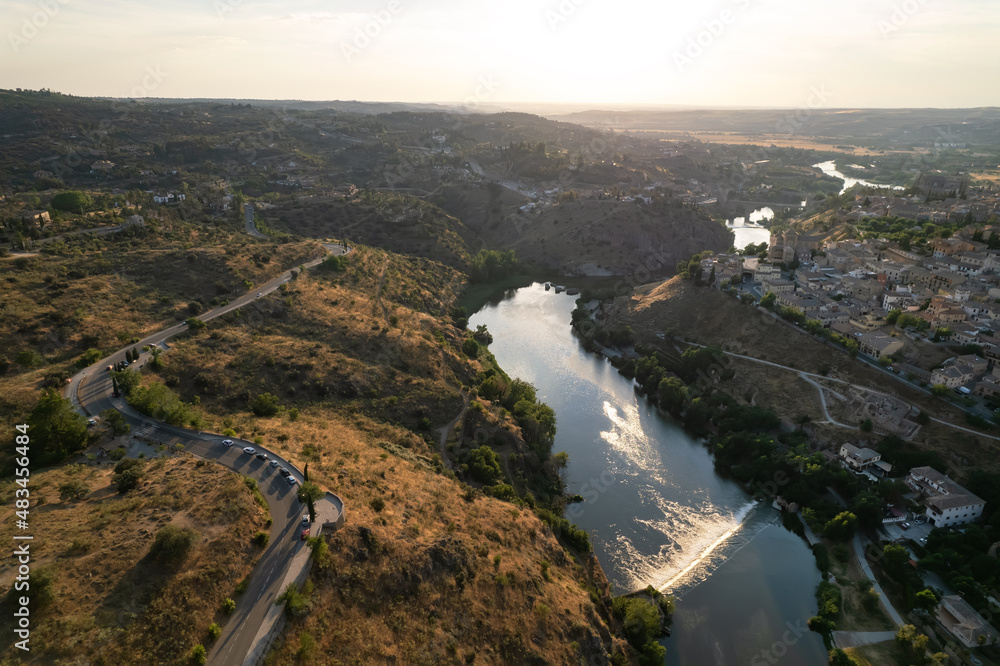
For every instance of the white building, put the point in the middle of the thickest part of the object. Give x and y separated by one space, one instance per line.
947 503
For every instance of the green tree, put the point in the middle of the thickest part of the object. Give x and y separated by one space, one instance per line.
841 527
56 429
173 544
265 404
894 559
470 347
74 490
926 599
128 474
673 395
72 201
768 300
309 493
198 654
115 420
484 464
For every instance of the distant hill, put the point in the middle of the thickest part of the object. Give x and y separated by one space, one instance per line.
979 126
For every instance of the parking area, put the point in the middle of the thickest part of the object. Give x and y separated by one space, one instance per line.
919 528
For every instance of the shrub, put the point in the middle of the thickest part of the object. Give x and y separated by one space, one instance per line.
229 606
470 347
307 646
127 475
265 404
198 654
73 490
296 602
261 538
214 630
377 504
173 544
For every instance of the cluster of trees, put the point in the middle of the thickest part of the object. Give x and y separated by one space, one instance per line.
154 400
908 233
72 201
692 269
643 620
492 265
56 429
537 420
907 320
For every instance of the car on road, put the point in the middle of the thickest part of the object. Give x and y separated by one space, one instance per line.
284 472
91 422
258 294
292 480
227 442
923 540
905 526
305 534
249 450
305 519
262 456
274 463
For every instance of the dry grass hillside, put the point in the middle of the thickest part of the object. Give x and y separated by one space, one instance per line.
397 222
617 235
112 602
708 316
367 367
102 292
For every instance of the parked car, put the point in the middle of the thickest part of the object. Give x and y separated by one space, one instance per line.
923 540
262 456
305 519
249 450
284 472
305 534
905 526
274 463
227 442
292 480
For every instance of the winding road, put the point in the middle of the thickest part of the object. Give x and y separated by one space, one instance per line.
90 392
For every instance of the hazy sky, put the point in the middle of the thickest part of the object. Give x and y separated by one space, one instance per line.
767 53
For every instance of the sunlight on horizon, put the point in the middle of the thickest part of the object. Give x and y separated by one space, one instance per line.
747 53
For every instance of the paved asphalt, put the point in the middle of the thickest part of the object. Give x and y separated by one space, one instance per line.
90 391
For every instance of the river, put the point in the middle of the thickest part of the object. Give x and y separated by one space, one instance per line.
657 511
747 231
830 169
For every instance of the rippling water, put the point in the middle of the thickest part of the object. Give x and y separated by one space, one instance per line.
657 511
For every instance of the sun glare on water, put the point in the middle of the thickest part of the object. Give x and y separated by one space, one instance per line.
694 536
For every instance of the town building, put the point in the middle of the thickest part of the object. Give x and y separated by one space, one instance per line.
947 503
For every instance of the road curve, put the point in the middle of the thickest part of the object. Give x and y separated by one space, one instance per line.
90 392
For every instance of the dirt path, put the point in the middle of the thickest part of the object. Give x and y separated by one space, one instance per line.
446 430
